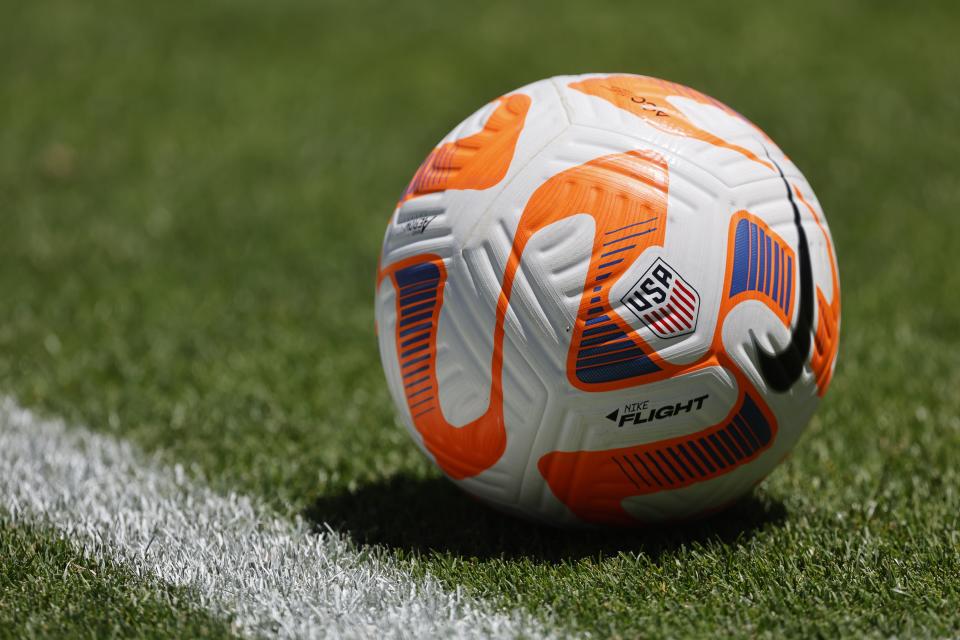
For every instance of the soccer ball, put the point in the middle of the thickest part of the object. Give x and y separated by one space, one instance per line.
607 299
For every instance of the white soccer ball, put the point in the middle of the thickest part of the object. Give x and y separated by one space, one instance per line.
607 299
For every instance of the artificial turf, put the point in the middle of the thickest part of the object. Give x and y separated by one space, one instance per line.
193 197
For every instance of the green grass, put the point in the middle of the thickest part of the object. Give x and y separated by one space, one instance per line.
48 588
188 189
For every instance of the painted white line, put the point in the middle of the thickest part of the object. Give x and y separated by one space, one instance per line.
274 576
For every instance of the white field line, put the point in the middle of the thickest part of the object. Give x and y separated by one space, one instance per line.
274 576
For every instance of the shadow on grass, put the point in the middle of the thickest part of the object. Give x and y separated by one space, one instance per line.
432 515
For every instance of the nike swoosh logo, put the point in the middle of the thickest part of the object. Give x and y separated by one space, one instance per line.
781 370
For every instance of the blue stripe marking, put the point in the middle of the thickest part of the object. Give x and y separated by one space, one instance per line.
420 327
592 312
786 279
715 441
635 470
703 458
764 261
409 363
764 285
777 259
417 286
713 454
693 463
647 469
415 339
592 361
427 399
638 366
761 263
410 352
595 300
616 251
607 265
416 382
605 338
754 418
632 225
602 276
595 330
595 289
416 393
785 290
417 273
731 440
416 371
766 289
747 432
593 321
632 235
754 258
657 465
669 465
788 299
762 271
427 295
741 258
742 441
624 472
674 455
416 308
725 435
417 318
607 348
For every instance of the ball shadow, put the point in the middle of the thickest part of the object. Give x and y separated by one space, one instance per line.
429 515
